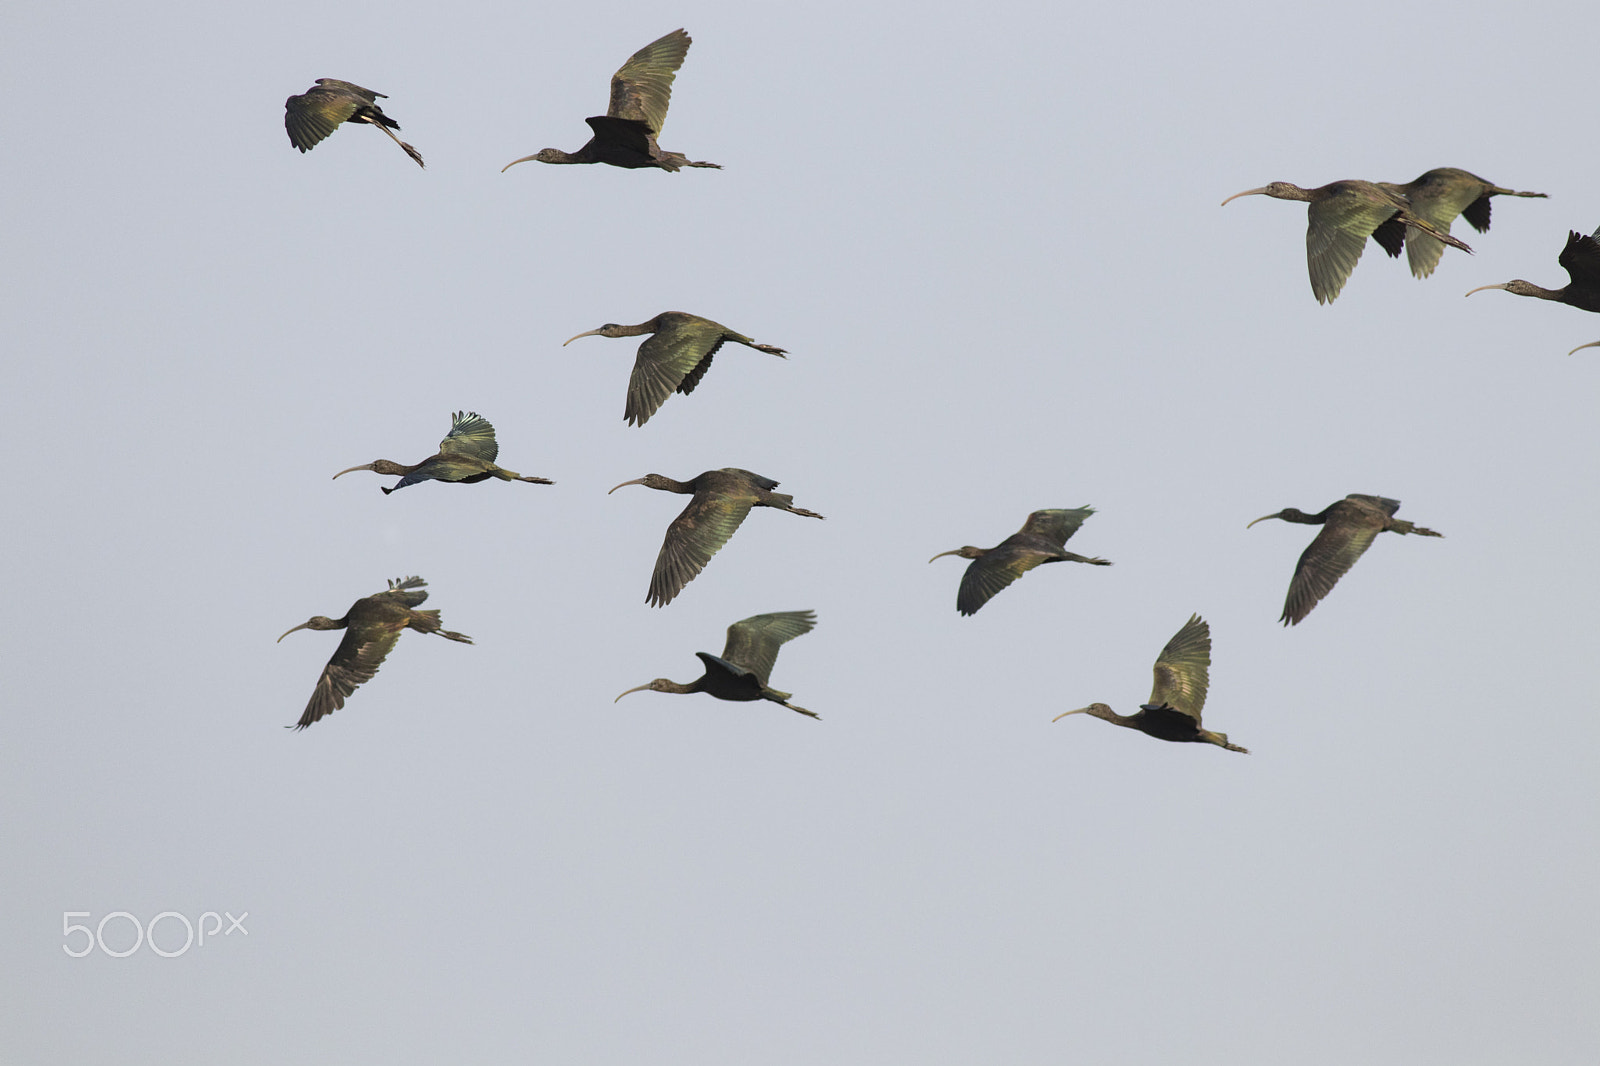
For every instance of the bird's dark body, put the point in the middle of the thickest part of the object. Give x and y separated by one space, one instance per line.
727 681
1165 723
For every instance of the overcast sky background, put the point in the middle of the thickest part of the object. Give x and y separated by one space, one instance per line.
990 239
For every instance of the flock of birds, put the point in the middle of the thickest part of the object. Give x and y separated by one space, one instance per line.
679 349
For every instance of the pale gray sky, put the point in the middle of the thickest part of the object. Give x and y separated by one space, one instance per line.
991 241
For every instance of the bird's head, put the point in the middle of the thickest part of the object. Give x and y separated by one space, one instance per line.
660 684
543 155
653 481
610 329
1288 514
1281 190
1516 286
378 466
317 622
1099 710
966 551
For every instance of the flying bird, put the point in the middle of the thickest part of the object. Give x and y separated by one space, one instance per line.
466 455
625 136
371 626
722 498
318 111
746 662
1182 674
1348 529
1343 214
1581 260
1438 197
674 359
1040 540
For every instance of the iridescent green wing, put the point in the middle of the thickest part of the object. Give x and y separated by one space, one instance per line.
753 642
1056 525
1182 670
673 359
1344 538
697 534
993 571
356 661
471 436
1438 197
1337 231
316 113
641 90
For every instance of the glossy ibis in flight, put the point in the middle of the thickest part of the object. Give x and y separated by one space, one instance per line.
1438 197
1343 214
1040 540
625 136
1182 674
318 111
467 455
371 626
722 498
1348 528
674 359
741 672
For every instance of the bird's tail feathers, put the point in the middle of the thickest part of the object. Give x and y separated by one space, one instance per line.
415 155
1437 233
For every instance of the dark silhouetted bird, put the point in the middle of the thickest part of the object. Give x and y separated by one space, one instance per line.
1348 529
722 498
1581 259
1182 675
625 136
371 626
741 672
1438 197
1039 541
467 455
674 359
1343 214
318 111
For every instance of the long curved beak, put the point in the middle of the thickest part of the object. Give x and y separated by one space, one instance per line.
341 473
1263 518
625 484
1247 192
302 625
640 688
1080 710
514 162
1480 288
569 340
1581 347
941 555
